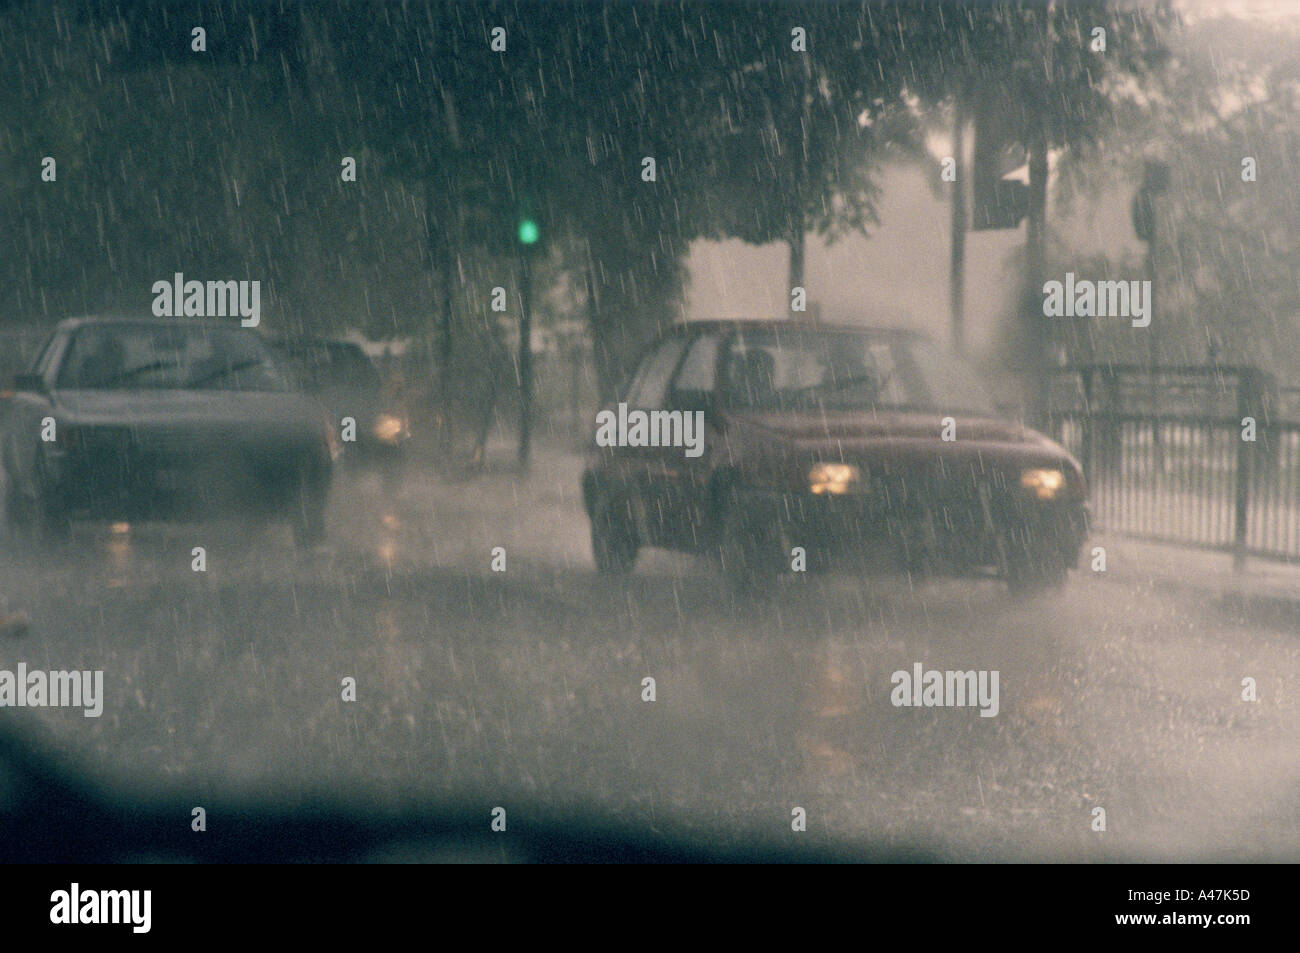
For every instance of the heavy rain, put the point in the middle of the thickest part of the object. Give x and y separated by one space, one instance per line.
656 430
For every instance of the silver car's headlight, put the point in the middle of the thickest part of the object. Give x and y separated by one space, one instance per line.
388 428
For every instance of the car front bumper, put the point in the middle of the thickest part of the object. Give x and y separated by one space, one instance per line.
123 479
969 532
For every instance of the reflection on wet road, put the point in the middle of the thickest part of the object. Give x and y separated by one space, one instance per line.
525 686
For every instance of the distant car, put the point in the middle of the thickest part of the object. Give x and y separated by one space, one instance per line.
145 419
344 380
830 446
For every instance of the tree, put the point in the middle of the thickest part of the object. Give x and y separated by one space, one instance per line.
1057 69
811 101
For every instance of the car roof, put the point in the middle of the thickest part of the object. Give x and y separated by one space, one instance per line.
725 325
86 320
293 340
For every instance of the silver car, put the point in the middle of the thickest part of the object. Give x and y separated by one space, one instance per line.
128 418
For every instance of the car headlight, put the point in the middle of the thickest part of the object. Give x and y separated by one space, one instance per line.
1044 484
388 428
834 478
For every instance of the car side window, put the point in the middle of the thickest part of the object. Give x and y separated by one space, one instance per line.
45 360
754 374
699 370
651 382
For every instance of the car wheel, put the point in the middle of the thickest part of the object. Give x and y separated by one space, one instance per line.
46 514
1030 572
614 544
308 518
749 553
52 522
18 509
308 527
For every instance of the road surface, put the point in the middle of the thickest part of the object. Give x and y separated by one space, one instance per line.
523 688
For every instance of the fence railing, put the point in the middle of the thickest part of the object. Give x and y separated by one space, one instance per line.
1167 473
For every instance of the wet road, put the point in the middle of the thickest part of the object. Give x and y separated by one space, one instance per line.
524 687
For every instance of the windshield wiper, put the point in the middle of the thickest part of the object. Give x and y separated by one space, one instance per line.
841 384
222 372
123 376
844 383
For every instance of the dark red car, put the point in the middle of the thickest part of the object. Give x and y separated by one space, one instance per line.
778 446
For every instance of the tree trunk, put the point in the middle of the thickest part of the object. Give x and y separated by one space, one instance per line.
444 242
798 220
797 247
445 351
602 352
1036 327
957 274
442 265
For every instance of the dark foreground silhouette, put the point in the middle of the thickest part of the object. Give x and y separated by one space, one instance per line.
50 814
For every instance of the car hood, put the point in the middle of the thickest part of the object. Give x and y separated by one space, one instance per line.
853 433
181 407
859 425
365 404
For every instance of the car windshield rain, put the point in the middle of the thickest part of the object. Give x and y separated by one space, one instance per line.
629 429
813 371
161 357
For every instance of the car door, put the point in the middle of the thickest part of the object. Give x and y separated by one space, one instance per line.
28 409
685 474
641 469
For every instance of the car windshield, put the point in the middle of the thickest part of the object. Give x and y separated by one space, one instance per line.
809 370
160 357
332 366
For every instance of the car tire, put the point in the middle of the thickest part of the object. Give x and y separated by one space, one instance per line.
308 527
307 520
748 554
46 514
53 525
614 543
18 509
1031 572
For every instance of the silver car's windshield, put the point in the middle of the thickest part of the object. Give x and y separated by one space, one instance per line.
158 357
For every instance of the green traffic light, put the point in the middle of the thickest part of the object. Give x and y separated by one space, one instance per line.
528 232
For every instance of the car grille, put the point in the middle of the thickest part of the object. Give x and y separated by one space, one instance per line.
941 486
945 509
115 464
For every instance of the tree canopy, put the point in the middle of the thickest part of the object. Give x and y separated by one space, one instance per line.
763 121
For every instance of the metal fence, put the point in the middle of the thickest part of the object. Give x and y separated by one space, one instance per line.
1168 457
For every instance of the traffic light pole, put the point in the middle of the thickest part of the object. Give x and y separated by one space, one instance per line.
525 359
